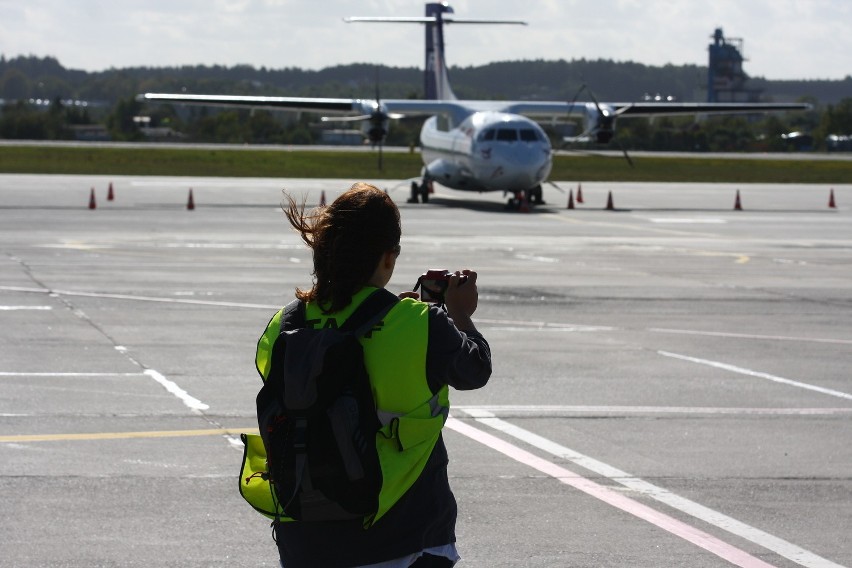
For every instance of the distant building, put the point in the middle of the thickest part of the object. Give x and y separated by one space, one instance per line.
161 133
156 133
726 80
90 132
838 143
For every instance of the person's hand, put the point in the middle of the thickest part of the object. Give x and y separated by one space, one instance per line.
403 295
461 298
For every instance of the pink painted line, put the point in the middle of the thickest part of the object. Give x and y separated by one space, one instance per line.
689 533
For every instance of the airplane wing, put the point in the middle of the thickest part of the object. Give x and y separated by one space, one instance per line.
599 118
534 109
362 107
295 104
675 109
545 109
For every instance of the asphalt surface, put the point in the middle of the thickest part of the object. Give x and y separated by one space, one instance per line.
671 382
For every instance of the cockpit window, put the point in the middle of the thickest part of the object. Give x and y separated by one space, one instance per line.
529 135
512 135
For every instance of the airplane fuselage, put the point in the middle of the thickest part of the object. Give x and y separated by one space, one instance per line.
486 151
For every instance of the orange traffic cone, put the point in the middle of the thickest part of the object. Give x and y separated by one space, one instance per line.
831 203
579 193
738 206
570 199
609 205
92 203
190 204
322 199
110 195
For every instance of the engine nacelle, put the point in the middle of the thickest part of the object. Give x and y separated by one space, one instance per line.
375 127
600 122
441 170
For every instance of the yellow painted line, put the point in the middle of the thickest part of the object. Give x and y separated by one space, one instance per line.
125 435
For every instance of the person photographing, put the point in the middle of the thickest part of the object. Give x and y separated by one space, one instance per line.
413 351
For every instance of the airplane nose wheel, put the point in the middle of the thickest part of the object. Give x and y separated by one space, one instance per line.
518 201
523 199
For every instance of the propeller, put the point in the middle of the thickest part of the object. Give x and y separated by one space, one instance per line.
604 129
375 123
378 121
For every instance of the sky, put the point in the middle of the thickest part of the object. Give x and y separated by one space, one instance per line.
782 39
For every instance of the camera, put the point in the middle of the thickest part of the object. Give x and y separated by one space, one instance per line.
433 284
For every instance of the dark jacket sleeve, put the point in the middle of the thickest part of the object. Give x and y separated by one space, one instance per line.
459 359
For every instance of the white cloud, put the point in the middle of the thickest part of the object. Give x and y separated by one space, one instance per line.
783 38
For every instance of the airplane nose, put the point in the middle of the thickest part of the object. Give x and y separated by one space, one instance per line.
521 167
533 165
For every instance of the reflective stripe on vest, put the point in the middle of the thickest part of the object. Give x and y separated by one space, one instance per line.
263 357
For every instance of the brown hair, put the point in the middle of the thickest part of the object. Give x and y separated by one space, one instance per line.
347 238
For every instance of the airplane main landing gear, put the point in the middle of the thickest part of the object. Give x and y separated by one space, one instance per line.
535 195
420 190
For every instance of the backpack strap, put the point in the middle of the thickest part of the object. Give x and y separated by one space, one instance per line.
371 310
293 316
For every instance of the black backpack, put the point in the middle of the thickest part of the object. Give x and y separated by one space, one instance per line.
318 419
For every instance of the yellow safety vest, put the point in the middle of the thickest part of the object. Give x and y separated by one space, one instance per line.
410 414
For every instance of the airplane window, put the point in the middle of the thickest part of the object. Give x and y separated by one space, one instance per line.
487 135
529 135
507 135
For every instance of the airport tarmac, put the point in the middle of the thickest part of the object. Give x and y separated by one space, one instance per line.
671 379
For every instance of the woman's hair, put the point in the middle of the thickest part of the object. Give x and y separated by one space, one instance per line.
347 238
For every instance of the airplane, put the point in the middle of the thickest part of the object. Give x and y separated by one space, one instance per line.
472 145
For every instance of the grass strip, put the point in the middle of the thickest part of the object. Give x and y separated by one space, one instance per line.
396 165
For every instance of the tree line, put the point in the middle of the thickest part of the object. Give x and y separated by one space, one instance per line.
44 100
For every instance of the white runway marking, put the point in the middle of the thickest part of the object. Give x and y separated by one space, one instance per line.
573 410
749 335
17 308
534 258
732 554
678 528
17 374
498 324
568 329
190 401
541 325
758 374
172 387
685 221
139 298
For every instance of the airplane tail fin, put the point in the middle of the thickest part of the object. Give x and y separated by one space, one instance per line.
436 82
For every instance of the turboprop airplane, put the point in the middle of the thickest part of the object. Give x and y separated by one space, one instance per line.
472 145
